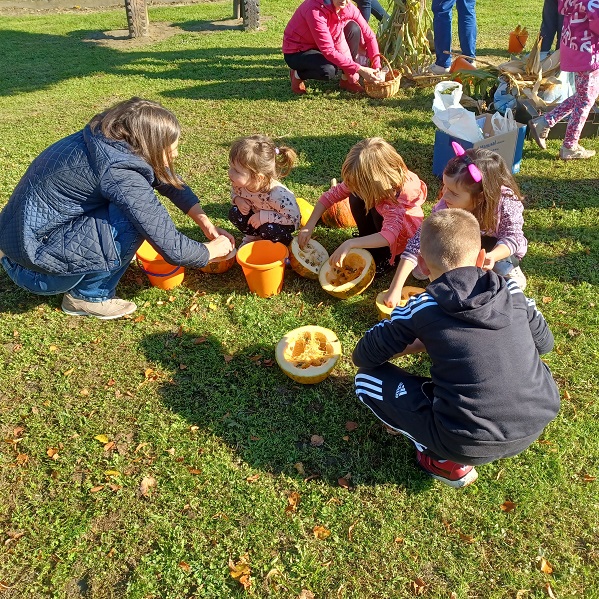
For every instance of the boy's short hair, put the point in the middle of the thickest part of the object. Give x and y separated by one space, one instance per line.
450 238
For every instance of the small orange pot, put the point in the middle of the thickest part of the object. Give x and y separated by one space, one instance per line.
263 264
160 273
460 64
517 43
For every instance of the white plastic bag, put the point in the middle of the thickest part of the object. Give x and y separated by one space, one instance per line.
447 94
450 116
502 123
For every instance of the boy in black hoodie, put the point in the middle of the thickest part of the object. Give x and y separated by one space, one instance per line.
490 395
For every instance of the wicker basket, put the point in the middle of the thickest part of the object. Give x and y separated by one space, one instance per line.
387 88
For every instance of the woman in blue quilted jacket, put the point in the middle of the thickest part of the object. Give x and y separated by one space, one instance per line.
86 203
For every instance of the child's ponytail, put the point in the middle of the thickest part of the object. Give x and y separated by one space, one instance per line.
285 159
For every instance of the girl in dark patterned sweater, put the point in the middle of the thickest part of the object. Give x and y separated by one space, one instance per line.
263 208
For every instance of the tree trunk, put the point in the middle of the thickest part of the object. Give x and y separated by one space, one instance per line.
137 18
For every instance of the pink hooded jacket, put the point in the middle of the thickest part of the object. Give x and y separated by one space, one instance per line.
402 217
579 49
316 25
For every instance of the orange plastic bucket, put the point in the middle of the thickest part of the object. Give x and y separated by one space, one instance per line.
461 64
161 273
263 264
517 43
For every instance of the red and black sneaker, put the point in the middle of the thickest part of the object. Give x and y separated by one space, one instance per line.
297 85
453 474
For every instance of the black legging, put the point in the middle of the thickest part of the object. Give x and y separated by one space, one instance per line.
311 64
369 223
271 231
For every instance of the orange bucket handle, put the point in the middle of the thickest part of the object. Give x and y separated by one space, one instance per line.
152 274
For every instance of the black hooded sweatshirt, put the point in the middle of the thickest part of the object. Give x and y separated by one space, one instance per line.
493 395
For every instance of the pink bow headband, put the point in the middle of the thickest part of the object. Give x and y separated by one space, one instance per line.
472 168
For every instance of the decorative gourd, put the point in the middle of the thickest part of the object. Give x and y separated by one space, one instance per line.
220 265
339 216
308 354
305 210
356 274
406 293
306 262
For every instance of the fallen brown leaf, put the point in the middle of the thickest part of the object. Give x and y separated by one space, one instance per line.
466 538
399 540
343 482
147 482
507 506
306 594
587 478
316 440
300 468
253 478
567 395
547 299
52 453
545 566
23 458
228 358
96 488
199 340
549 591
418 586
293 499
320 532
350 531
111 552
194 471
102 438
241 571
184 566
351 426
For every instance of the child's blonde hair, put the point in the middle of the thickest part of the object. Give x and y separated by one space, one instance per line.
259 155
450 238
485 194
150 130
374 171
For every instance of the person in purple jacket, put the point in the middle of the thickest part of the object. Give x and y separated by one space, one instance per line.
579 54
85 204
489 394
323 38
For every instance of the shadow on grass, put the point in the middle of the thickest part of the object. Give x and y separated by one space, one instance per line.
269 419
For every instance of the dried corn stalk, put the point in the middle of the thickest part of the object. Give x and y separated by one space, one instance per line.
405 38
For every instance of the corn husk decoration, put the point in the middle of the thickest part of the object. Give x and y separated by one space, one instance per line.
533 62
405 38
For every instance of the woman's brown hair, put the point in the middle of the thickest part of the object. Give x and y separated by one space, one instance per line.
374 171
259 155
150 130
486 194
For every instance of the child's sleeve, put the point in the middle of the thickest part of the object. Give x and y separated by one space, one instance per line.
413 246
284 208
336 194
541 333
509 228
383 341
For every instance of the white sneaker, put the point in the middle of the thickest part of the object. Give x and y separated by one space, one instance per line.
108 310
539 130
575 153
437 70
518 277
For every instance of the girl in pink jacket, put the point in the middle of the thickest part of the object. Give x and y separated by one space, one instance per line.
325 36
385 200
579 54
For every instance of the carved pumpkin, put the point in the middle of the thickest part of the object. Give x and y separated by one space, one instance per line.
339 216
220 265
406 293
308 354
356 274
307 262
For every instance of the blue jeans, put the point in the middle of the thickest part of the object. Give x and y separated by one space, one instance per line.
551 25
93 287
371 6
442 16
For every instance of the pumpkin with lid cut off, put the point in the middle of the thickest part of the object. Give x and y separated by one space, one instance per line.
406 293
220 265
308 354
354 276
307 261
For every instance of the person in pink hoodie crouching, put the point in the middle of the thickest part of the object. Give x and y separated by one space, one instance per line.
325 36
579 54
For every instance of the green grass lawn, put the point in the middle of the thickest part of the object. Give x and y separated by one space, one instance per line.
184 394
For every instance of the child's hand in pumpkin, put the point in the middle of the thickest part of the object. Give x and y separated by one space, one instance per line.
392 297
303 236
338 256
